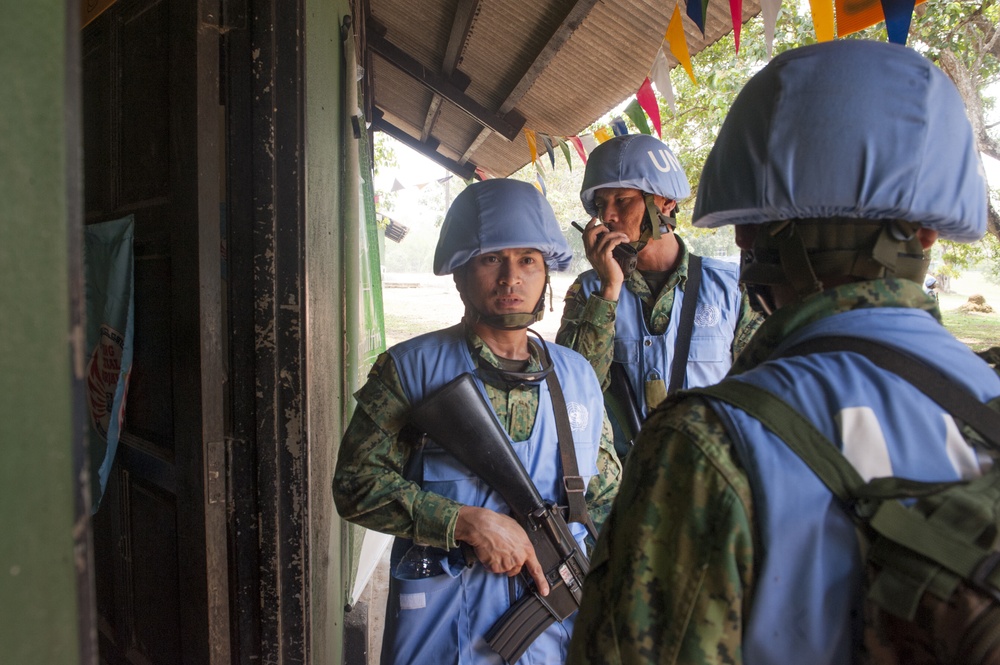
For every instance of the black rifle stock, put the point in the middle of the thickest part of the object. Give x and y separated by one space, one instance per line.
458 419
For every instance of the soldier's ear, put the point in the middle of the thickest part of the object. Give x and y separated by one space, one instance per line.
927 237
745 235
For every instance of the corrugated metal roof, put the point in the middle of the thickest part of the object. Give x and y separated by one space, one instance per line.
552 66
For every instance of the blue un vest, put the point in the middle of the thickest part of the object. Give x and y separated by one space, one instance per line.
443 619
808 572
648 357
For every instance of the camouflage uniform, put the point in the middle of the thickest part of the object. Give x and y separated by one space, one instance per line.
369 484
673 573
588 324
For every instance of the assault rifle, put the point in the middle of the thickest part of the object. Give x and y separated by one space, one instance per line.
459 420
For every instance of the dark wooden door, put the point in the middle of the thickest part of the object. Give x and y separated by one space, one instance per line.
151 148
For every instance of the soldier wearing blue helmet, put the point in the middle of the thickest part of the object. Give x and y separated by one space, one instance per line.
680 319
840 165
499 240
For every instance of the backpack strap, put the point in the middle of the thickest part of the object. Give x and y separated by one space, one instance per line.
873 505
949 395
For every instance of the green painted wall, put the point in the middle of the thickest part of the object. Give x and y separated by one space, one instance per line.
325 288
38 600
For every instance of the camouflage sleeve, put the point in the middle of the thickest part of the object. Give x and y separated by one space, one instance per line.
671 575
747 325
368 484
588 327
603 487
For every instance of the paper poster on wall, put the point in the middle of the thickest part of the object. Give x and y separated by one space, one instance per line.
108 273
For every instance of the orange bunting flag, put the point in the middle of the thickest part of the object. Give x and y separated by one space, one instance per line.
678 42
647 100
736 12
575 140
856 15
603 134
822 11
532 146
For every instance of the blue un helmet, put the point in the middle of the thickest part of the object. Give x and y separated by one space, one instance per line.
843 134
636 161
499 214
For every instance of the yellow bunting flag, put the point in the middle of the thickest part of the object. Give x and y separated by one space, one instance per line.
822 11
532 146
678 42
603 134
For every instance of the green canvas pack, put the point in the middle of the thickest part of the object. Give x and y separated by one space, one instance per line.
933 549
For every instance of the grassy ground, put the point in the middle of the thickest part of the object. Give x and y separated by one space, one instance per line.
978 330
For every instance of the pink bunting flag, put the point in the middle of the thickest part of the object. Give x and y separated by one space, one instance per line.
736 11
647 100
578 144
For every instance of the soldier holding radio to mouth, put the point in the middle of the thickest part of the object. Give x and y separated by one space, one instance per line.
678 320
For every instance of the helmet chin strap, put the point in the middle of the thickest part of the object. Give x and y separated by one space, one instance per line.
664 226
513 321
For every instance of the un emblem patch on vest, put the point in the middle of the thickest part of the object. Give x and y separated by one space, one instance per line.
579 417
707 316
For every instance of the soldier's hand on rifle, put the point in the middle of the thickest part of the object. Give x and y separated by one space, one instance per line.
500 544
600 244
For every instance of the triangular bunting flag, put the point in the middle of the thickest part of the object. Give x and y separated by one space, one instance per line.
696 13
647 100
549 149
444 179
565 151
540 182
483 175
897 19
638 118
532 147
660 76
855 15
769 8
736 12
589 142
619 127
678 42
396 185
602 135
578 144
822 12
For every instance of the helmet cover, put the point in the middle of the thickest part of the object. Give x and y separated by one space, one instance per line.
848 129
498 214
633 161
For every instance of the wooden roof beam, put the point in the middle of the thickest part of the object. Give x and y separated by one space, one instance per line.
460 27
507 125
465 171
574 18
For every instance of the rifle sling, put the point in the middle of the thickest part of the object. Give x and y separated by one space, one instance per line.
572 480
682 347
